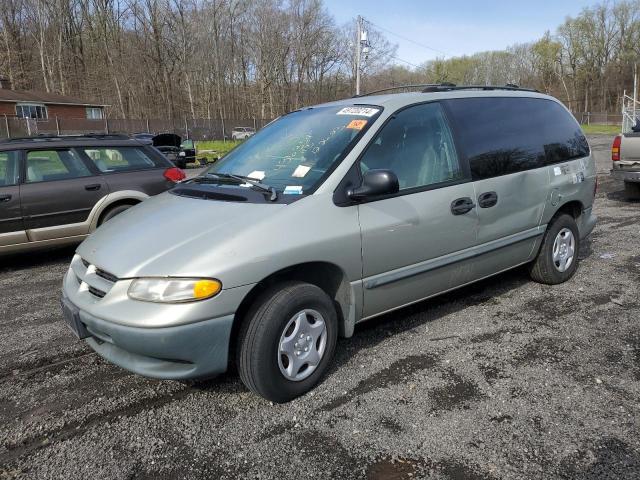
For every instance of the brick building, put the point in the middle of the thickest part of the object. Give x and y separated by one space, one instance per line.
42 106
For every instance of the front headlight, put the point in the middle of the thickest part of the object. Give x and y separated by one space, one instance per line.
182 154
173 290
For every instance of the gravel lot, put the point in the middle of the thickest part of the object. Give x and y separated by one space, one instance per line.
503 379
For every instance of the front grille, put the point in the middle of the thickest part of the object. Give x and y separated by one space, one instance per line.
91 279
106 275
95 292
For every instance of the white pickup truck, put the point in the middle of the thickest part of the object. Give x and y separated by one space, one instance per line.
625 154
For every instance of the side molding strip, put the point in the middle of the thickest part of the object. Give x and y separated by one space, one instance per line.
439 262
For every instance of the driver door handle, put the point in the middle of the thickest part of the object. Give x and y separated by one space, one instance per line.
463 205
92 187
5 198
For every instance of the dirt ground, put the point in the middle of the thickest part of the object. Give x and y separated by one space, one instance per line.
504 379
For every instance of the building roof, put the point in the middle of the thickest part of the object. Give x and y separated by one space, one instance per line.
43 97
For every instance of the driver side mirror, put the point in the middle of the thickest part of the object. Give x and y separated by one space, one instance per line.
374 183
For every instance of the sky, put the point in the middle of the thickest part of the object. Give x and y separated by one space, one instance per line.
457 27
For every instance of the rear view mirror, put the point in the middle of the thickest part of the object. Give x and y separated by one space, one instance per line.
374 183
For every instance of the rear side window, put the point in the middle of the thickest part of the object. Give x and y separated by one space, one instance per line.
119 159
506 135
47 165
9 168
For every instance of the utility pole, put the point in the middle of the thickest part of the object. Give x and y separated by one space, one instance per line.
358 51
635 91
362 47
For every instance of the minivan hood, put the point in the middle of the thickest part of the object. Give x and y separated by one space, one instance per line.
164 235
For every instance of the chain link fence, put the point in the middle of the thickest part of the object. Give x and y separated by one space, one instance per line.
196 129
598 118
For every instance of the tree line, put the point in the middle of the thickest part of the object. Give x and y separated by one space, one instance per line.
175 58
261 58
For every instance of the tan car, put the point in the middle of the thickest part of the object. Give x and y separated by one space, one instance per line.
625 155
57 190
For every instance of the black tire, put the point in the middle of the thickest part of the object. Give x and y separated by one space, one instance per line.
543 269
112 212
180 164
259 337
632 190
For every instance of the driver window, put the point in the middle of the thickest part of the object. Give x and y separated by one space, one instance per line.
417 146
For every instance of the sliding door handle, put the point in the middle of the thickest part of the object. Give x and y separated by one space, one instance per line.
487 199
5 198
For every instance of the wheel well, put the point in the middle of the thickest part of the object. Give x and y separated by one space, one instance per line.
327 276
126 201
573 208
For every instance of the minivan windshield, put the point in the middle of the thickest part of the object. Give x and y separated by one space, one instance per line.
293 154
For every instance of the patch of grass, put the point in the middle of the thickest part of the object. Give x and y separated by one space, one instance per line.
212 149
602 129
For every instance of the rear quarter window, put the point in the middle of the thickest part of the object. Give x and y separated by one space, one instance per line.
503 135
119 159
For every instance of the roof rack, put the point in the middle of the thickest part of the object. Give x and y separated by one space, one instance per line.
446 87
54 138
508 86
404 87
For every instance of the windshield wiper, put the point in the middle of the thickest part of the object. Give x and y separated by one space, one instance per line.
243 179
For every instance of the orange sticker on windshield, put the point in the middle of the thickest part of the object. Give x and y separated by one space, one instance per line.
357 124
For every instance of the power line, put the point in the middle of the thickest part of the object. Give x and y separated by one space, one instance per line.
408 39
397 58
405 61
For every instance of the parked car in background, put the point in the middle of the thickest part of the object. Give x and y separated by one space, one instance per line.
242 133
330 216
625 155
144 137
171 145
56 190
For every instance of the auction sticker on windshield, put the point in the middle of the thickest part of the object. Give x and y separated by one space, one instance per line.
362 111
357 124
293 190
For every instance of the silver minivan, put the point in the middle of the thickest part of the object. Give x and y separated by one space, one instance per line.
327 217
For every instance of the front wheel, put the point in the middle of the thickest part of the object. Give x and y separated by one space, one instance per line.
557 259
287 341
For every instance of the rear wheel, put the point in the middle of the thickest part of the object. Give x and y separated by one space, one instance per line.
112 212
632 190
287 341
557 259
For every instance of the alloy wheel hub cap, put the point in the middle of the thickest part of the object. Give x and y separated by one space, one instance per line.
302 345
564 250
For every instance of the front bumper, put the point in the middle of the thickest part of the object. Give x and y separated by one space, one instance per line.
194 350
626 175
167 341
